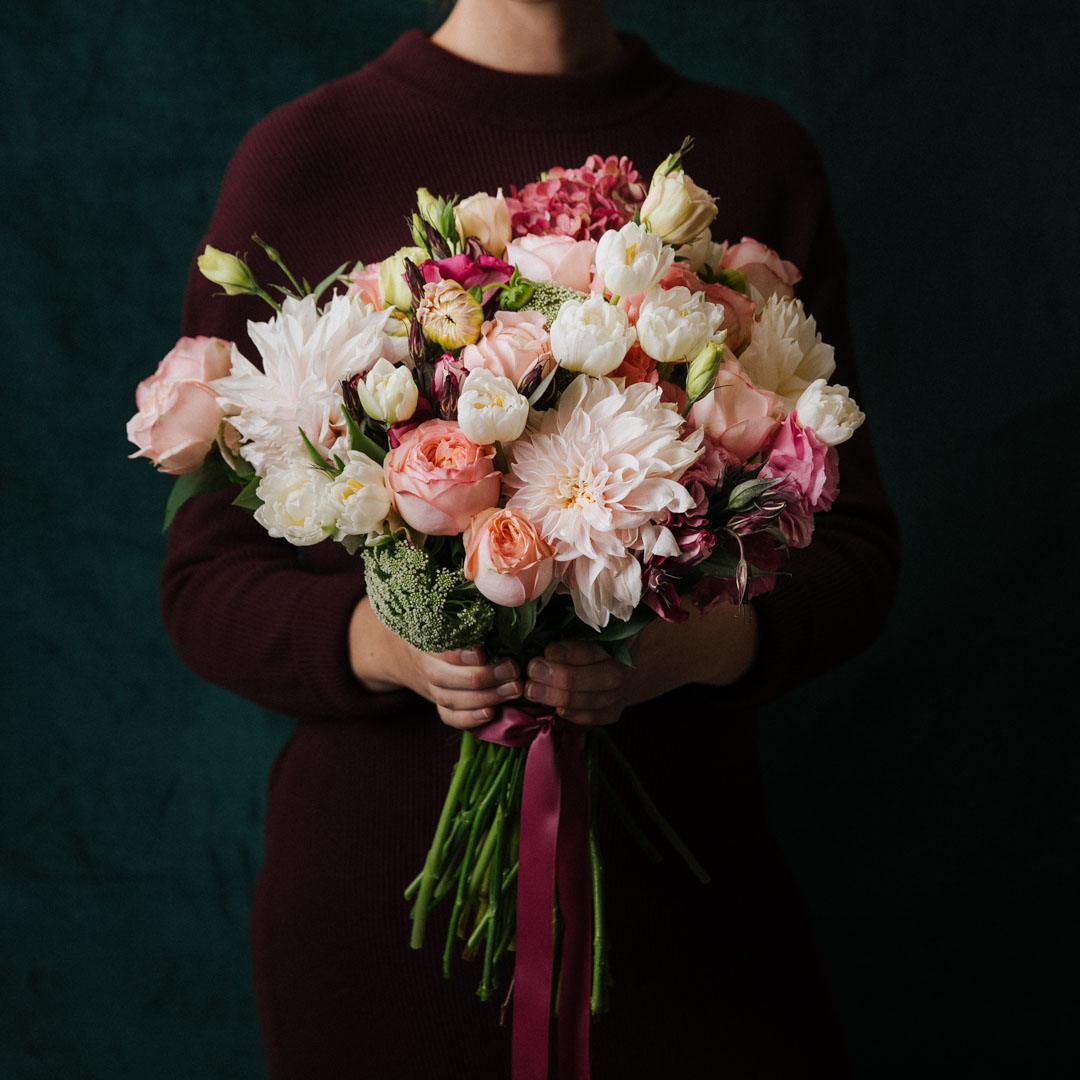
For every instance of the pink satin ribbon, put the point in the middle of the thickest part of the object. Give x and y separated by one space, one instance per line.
554 843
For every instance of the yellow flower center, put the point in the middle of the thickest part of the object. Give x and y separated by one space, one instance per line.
631 253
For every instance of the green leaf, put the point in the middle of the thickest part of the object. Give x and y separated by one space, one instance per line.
359 441
620 652
746 493
316 457
211 476
327 282
248 499
620 629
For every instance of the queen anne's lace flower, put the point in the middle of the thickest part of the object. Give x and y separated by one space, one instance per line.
305 356
786 352
595 477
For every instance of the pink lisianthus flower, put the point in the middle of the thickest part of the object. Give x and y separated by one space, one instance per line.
364 282
179 415
506 557
737 416
765 271
738 308
559 259
583 203
658 590
797 457
468 270
511 344
438 479
446 382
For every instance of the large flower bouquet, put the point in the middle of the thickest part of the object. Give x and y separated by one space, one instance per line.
561 413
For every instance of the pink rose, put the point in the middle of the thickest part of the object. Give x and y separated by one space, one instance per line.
807 465
179 417
737 415
738 307
560 259
764 269
511 345
506 557
637 366
364 282
439 480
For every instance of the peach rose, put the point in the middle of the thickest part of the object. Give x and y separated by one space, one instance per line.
737 416
560 259
764 269
506 557
487 217
179 416
511 345
439 480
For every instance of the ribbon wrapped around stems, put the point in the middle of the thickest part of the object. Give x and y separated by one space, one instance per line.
554 846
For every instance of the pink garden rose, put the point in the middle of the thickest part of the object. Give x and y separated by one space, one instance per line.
637 366
807 466
560 259
511 345
737 416
506 557
439 480
764 269
738 307
364 282
179 417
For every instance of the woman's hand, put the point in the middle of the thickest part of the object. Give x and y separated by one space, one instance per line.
462 686
585 685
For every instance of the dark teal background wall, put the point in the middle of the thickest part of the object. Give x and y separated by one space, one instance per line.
925 794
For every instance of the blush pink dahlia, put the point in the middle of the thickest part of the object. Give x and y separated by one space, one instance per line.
596 477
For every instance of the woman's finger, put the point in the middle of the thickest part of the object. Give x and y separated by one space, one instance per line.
607 674
466 700
464 719
454 675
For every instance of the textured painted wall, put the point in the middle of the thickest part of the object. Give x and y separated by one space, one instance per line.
924 794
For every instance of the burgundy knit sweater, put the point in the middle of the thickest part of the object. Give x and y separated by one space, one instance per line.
329 178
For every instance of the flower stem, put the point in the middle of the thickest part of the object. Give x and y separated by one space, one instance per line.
598 998
427 883
653 813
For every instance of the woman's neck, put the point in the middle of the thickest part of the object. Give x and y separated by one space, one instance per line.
531 37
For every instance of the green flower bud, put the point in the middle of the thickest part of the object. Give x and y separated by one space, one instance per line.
230 272
701 374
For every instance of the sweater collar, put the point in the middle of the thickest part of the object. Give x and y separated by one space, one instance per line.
538 102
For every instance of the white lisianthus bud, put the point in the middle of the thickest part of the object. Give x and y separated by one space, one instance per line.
487 217
231 273
702 252
395 292
676 209
591 336
490 409
388 392
294 504
357 498
674 324
829 411
631 260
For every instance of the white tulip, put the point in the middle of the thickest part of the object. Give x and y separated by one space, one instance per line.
357 498
829 411
294 504
490 409
674 324
591 336
631 260
388 392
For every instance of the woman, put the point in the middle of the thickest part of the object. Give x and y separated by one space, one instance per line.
721 977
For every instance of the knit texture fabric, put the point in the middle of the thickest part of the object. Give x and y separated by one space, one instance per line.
353 799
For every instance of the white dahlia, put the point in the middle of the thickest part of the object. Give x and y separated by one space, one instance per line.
305 355
786 353
595 476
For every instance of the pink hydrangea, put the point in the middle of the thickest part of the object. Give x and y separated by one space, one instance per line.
583 203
